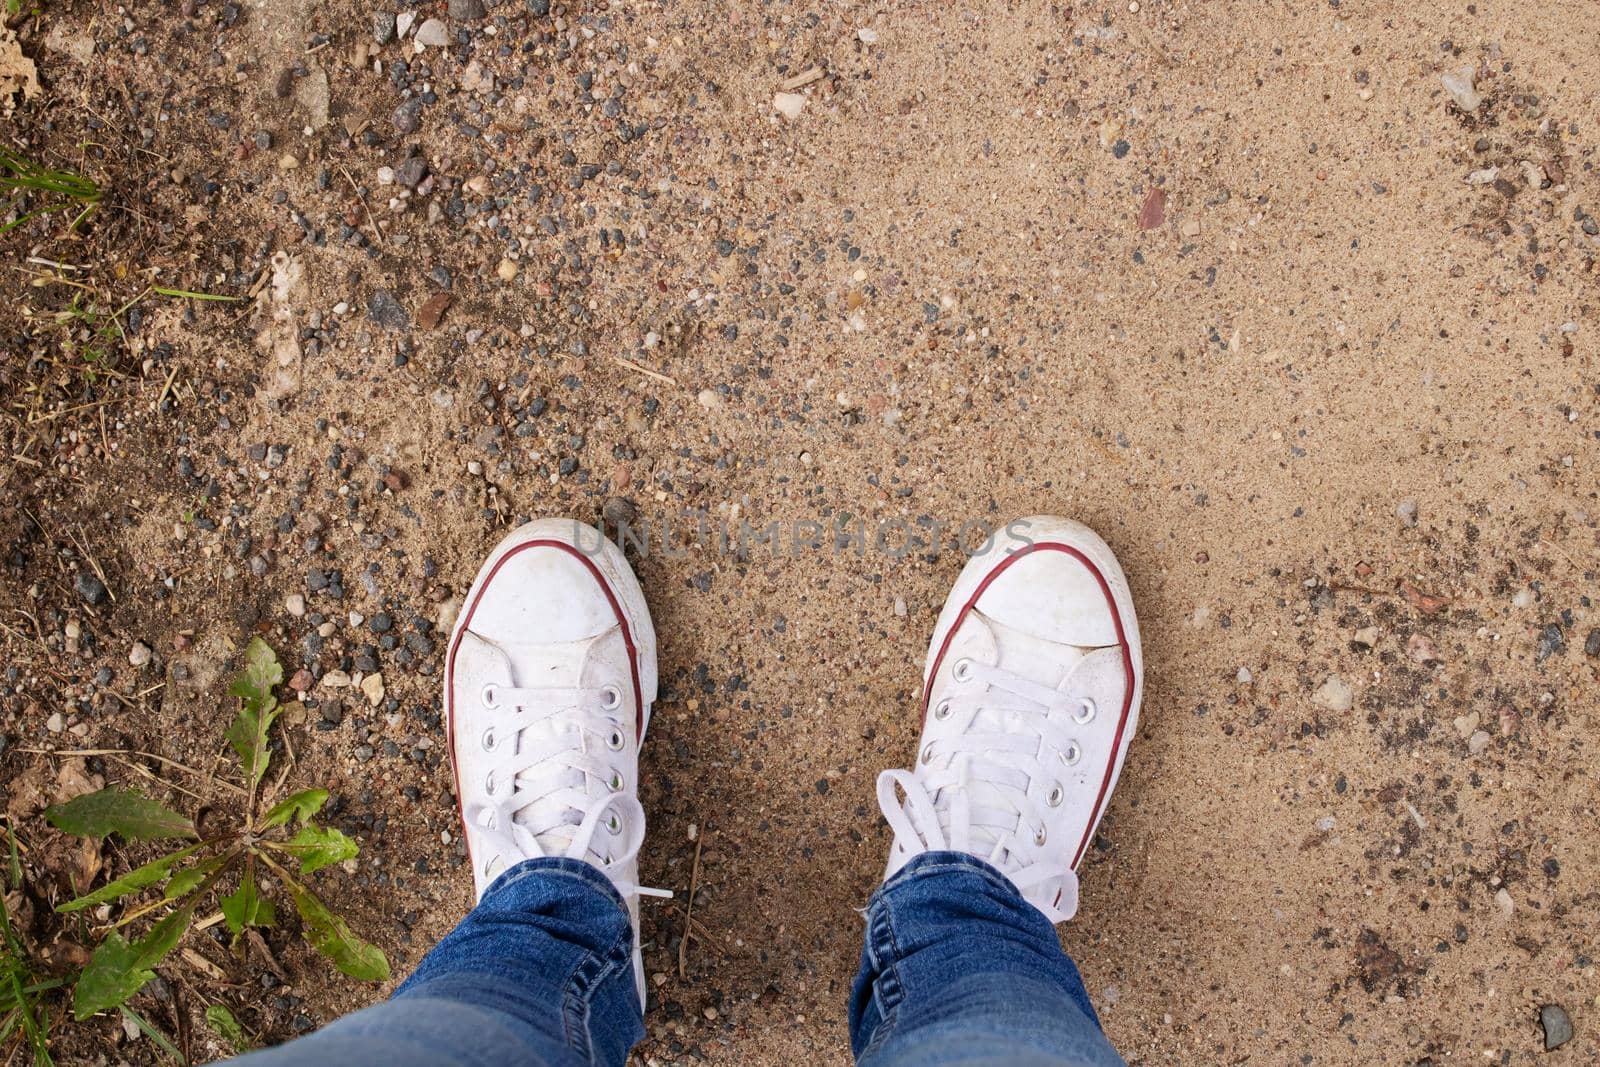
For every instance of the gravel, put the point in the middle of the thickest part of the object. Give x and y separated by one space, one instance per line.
386 311
1557 1026
410 171
92 589
408 116
1334 694
383 26
1551 641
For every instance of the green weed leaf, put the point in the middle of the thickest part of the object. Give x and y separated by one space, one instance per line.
220 1019
134 880
257 708
300 807
118 811
329 935
119 968
260 674
316 847
188 880
245 907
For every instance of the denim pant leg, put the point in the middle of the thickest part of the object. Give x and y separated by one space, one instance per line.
539 974
958 969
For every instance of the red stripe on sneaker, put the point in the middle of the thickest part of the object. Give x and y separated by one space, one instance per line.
466 620
1122 641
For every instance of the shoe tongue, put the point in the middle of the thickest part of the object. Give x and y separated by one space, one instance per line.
1039 660
559 666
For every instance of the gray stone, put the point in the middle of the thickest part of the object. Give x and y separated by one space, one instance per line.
466 10
408 116
1557 1026
1335 694
1406 512
91 588
619 510
1591 644
410 171
383 26
1551 641
433 34
386 311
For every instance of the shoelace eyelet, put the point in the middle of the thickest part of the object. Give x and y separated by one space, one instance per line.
941 710
1073 754
927 754
488 739
615 783
1039 837
490 691
1057 795
614 824
616 741
488 783
962 671
611 698
1086 713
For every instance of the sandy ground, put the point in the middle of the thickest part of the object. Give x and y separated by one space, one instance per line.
1237 284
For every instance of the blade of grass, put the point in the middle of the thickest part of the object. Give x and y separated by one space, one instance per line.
194 296
154 1035
15 868
17 967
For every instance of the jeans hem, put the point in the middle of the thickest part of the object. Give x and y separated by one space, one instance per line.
578 870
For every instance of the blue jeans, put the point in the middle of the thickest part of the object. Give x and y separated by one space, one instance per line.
957 969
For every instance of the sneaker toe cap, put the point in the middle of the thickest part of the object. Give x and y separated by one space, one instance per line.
1054 595
543 594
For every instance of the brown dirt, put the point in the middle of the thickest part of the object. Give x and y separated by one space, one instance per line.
1336 408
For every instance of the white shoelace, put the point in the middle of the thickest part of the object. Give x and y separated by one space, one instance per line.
552 789
970 793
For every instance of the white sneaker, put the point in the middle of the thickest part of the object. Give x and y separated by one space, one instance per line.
1030 697
548 685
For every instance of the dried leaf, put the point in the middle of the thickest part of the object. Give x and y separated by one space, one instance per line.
17 72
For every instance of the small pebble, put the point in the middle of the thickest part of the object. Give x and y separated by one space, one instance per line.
383 26
91 588
1459 84
139 654
432 34
1557 1026
1335 694
789 105
1503 901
